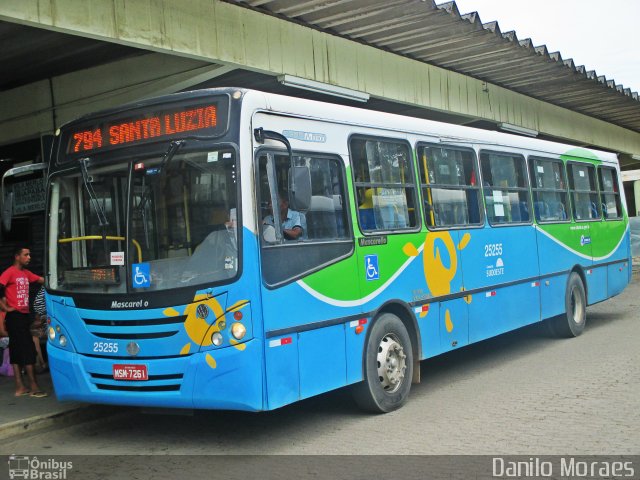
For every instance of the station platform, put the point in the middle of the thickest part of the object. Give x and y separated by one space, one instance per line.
25 415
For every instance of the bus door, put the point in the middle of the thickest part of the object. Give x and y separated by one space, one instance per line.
307 274
500 260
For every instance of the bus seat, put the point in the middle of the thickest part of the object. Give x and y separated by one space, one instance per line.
594 210
321 218
473 210
367 218
524 208
520 211
557 210
541 210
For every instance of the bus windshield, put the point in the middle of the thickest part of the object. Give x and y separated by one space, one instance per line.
152 223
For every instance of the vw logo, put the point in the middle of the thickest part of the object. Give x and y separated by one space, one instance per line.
133 348
202 311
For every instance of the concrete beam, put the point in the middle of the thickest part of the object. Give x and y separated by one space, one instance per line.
44 106
219 32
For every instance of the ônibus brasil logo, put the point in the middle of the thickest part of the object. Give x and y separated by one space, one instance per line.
22 466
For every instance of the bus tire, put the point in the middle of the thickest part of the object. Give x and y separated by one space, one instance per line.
572 322
388 367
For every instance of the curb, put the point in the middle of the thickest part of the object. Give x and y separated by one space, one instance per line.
65 418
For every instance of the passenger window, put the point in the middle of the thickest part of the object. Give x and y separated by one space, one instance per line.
609 194
549 185
506 191
584 193
450 188
384 184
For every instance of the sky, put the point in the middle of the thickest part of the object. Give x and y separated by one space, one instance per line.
602 35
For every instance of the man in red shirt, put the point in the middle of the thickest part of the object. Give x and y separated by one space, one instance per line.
15 283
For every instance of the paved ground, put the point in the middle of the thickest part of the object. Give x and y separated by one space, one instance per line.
521 393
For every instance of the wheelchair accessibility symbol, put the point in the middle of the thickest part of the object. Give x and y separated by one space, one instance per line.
140 275
371 267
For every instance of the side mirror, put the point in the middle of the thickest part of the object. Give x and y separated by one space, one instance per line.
300 188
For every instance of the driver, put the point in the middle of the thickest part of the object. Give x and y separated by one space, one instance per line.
291 219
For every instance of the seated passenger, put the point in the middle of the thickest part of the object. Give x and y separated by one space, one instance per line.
365 211
292 221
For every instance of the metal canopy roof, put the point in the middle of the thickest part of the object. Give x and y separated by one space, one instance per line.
441 36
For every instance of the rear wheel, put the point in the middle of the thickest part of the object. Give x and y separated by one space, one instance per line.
572 322
388 367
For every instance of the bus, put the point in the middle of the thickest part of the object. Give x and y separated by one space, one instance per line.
172 281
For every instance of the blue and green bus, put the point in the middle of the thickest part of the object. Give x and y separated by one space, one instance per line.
173 282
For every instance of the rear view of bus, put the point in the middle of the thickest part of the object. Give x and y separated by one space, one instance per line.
145 298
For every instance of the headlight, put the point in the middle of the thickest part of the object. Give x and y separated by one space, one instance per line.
216 339
62 340
52 334
238 331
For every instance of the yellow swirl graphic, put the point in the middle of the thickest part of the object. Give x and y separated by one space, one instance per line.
438 275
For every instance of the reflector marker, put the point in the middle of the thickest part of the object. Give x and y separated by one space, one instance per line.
535 284
422 309
491 294
280 341
355 323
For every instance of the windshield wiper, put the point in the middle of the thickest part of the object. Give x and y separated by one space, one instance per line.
171 151
174 146
168 156
102 217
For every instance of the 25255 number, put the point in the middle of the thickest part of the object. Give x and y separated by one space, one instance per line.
493 250
105 347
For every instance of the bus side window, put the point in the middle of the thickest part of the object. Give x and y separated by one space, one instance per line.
584 193
609 194
549 188
448 178
384 184
506 189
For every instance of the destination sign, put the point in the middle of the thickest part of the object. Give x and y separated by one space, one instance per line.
206 119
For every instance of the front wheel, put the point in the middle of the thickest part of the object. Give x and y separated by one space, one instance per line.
572 322
388 367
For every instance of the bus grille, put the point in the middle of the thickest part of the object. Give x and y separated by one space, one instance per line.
135 329
155 383
135 388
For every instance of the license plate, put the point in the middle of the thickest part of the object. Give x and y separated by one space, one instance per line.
130 372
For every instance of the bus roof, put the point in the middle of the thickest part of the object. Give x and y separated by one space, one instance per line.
341 114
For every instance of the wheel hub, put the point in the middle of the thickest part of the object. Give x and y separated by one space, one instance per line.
391 363
577 306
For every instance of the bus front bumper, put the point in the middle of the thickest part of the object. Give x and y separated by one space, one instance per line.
226 378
